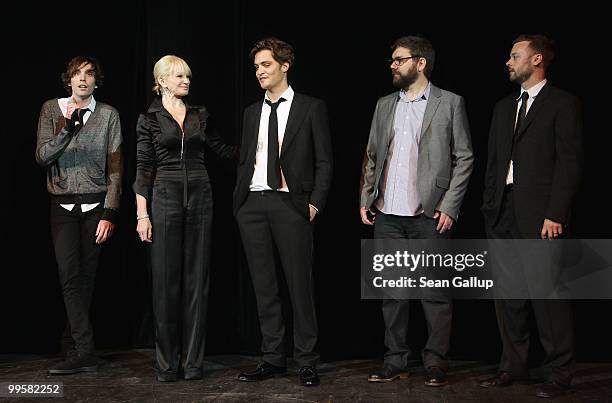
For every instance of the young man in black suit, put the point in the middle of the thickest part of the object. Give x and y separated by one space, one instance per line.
533 173
283 178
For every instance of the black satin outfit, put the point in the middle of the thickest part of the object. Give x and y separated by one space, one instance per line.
172 176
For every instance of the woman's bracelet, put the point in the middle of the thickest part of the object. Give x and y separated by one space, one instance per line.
140 217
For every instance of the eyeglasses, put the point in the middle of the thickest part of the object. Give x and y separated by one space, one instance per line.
398 61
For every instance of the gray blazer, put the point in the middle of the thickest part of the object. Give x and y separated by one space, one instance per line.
445 152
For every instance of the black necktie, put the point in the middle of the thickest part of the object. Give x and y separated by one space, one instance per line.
522 112
519 121
82 113
274 172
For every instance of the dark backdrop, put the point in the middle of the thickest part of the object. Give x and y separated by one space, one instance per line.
341 57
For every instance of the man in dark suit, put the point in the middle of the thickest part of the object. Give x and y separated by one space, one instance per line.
282 183
533 173
416 170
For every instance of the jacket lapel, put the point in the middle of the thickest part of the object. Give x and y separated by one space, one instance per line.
388 118
297 113
540 100
435 96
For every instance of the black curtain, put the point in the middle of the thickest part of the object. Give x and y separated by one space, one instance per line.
341 53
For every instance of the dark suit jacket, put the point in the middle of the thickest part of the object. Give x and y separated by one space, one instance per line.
547 160
305 158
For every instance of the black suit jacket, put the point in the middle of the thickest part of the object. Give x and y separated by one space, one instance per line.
305 158
547 163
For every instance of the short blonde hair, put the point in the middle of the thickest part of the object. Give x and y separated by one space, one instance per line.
166 66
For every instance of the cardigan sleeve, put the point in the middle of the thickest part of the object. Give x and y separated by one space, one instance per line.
114 164
49 147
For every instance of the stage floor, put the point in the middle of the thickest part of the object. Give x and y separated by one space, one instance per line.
128 376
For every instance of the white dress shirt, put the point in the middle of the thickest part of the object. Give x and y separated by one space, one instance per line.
260 176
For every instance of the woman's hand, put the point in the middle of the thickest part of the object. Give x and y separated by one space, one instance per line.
145 229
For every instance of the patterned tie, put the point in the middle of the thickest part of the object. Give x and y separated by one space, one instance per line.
274 171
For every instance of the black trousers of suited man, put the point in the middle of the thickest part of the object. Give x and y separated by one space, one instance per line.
553 317
269 220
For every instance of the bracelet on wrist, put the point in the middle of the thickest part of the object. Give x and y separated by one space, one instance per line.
140 217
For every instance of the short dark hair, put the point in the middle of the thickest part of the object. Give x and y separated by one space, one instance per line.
73 67
282 52
541 44
419 46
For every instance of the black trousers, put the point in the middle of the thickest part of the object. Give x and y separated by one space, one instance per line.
438 310
268 219
74 240
181 215
553 318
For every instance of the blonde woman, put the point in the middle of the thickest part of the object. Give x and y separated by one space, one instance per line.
174 214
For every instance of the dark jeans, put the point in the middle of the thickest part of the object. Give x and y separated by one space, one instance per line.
553 318
77 253
268 220
438 310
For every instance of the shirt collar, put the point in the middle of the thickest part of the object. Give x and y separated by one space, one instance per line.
533 91
92 104
288 95
423 96
63 103
157 105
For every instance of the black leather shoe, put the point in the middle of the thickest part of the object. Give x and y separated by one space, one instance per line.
309 376
552 390
435 377
500 380
75 363
263 371
388 373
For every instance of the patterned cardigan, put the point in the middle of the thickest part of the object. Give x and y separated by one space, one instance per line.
87 165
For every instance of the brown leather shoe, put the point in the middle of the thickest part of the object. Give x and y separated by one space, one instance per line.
552 390
435 377
500 380
388 374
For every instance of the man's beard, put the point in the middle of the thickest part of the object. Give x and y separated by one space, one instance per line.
520 78
405 81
